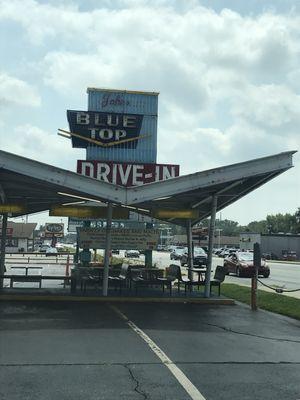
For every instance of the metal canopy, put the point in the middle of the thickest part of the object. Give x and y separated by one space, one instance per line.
196 191
38 186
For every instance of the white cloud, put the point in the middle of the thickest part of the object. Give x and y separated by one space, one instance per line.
14 91
269 106
33 142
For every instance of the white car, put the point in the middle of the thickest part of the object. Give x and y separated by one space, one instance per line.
44 248
51 251
178 253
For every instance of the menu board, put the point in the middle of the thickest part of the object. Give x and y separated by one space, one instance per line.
121 239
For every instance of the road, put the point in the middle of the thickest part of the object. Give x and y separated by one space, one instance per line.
285 275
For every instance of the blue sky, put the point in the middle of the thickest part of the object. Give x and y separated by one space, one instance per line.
228 74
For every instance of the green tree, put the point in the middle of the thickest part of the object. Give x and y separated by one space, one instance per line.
258 226
285 223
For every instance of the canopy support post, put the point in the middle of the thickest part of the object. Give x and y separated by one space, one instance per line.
2 248
210 245
190 249
107 249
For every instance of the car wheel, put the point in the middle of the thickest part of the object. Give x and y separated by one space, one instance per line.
266 274
238 272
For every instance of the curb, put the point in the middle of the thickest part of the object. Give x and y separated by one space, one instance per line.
205 301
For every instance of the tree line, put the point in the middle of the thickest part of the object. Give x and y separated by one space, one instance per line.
278 223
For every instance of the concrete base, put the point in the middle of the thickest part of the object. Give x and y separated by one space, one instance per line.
109 299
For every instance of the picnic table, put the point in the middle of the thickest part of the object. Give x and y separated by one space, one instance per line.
26 267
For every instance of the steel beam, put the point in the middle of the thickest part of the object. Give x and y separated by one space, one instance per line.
222 175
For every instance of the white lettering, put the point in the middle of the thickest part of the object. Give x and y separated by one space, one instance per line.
110 121
87 169
98 120
129 122
166 173
106 134
157 170
124 176
102 172
114 173
173 172
137 175
93 133
82 118
120 133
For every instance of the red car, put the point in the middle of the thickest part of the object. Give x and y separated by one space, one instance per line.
241 264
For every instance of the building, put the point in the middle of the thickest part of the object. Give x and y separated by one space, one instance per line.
219 241
19 236
275 243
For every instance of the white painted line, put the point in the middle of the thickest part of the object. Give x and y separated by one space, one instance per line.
178 374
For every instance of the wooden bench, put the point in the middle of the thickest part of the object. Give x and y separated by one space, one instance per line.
23 278
34 278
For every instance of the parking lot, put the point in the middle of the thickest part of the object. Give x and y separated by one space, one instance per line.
146 351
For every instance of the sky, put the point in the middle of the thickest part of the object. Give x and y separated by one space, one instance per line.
228 73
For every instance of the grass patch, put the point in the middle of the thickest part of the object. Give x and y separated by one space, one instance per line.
277 303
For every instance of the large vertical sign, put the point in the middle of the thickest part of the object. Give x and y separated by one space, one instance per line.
128 125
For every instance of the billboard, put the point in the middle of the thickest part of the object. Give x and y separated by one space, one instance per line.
121 239
54 230
126 174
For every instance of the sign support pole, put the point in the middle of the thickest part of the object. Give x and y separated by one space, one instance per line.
107 249
2 248
210 245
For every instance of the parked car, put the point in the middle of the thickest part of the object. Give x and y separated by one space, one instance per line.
51 251
289 255
225 253
199 258
114 251
60 246
177 253
161 247
44 247
132 253
218 251
171 248
269 256
241 264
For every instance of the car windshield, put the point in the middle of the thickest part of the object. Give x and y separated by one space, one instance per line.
199 252
245 256
180 251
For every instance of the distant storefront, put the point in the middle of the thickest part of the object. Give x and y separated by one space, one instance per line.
19 236
276 244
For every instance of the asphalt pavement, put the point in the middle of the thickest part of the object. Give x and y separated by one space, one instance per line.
98 351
